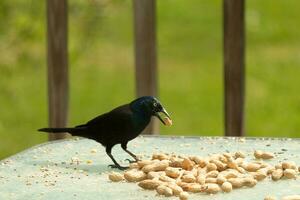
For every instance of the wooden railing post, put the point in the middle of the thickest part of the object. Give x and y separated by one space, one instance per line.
57 24
145 53
234 64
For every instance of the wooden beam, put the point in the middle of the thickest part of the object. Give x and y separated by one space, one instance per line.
57 23
234 66
145 53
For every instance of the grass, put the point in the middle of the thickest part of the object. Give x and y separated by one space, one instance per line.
189 59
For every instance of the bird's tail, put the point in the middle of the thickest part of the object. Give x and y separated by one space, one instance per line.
55 130
73 131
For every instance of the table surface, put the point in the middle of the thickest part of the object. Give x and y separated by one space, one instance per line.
47 171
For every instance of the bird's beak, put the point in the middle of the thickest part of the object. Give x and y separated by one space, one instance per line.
167 120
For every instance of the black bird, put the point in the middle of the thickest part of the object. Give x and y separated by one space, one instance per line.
119 126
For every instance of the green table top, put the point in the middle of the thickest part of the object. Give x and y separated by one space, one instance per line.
60 169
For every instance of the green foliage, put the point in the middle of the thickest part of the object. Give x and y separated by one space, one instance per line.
189 58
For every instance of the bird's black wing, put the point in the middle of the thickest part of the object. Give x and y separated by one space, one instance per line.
117 115
111 128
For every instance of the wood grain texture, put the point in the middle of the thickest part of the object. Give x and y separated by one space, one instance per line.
58 88
234 66
145 53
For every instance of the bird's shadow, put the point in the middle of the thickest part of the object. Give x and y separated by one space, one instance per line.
89 168
67 165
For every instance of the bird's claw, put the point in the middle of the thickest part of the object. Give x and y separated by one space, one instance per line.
131 161
118 167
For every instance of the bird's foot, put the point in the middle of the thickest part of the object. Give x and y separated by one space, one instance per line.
118 167
131 161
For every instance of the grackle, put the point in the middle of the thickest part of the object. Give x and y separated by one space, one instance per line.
118 126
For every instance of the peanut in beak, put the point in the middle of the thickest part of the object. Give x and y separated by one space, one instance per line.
168 121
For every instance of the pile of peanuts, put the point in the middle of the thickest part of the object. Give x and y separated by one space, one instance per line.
172 175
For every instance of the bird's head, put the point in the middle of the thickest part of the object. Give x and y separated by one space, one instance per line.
152 107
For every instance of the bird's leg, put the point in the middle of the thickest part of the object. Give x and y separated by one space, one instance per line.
124 147
116 164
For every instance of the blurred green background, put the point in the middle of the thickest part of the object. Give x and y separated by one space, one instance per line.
189 59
